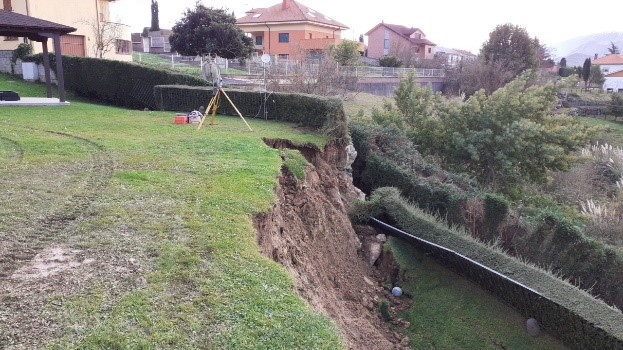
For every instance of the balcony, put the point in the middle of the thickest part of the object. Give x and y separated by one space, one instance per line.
316 44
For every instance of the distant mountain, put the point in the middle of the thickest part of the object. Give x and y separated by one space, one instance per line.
576 50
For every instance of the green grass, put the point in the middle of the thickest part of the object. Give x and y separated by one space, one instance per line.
170 207
450 312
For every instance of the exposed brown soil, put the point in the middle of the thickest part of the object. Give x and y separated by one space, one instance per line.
309 232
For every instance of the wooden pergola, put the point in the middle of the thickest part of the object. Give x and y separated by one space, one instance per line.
35 29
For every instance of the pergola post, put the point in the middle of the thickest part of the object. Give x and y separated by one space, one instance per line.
46 68
59 67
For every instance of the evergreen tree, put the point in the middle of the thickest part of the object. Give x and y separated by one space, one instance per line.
586 71
155 21
206 30
613 49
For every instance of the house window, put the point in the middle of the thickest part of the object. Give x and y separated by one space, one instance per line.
284 37
7 5
386 44
430 50
123 46
259 40
157 41
310 35
282 56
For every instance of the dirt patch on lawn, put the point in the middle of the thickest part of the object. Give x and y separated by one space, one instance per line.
309 232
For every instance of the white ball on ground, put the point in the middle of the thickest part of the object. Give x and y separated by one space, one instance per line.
396 291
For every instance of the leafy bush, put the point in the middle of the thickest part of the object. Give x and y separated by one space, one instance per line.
22 50
384 310
496 210
390 61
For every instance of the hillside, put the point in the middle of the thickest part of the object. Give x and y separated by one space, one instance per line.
576 50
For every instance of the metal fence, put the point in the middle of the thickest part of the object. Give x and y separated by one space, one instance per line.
288 67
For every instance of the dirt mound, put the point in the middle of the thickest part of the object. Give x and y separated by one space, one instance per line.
308 231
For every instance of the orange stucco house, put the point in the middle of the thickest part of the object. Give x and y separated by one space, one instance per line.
397 40
290 28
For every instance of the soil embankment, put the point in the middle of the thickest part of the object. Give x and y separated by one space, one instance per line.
308 231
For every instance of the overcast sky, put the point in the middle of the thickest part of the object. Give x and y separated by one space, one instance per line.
457 24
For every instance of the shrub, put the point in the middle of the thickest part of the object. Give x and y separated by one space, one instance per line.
384 310
22 51
496 210
390 61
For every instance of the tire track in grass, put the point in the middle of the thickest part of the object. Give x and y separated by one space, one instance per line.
15 154
46 229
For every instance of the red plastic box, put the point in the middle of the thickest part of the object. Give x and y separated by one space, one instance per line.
181 119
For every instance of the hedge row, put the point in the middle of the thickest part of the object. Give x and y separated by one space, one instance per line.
375 167
563 310
593 265
117 83
307 110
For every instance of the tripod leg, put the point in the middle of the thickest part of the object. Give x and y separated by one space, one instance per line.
212 102
237 111
215 107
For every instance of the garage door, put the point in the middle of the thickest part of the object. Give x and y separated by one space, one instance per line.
73 45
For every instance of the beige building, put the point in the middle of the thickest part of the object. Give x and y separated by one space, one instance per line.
96 34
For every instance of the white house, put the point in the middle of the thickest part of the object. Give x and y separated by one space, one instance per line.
612 67
614 82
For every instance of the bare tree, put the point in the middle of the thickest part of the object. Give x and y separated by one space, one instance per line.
405 53
105 36
318 74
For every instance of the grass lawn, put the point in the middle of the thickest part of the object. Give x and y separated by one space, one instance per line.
156 219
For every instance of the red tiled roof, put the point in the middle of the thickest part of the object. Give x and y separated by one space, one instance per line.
295 12
406 33
618 74
402 30
13 21
609 60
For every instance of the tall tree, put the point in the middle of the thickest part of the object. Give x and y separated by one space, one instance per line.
206 30
508 52
586 71
155 21
563 63
613 49
512 47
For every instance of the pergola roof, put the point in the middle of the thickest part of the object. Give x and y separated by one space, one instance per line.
36 29
17 24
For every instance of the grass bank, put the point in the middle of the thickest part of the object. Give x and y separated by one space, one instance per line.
153 221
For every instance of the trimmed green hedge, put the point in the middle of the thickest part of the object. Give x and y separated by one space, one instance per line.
558 243
117 83
563 310
308 110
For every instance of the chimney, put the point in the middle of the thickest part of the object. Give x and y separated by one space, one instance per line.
286 4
